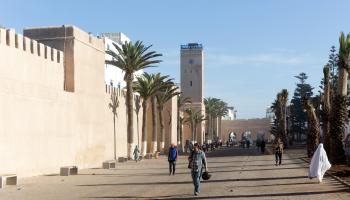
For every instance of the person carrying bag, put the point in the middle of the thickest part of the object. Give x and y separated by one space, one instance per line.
197 162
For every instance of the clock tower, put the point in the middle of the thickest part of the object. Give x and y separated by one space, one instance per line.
192 82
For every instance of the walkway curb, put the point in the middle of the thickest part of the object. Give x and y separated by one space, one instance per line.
333 176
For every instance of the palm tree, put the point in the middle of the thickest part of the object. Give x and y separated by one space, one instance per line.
113 105
221 109
283 103
181 101
279 128
137 111
275 129
159 81
146 88
154 124
163 96
193 119
326 109
198 118
190 120
339 105
131 57
210 104
181 122
215 110
313 127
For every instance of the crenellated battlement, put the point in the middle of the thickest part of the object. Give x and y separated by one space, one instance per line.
10 38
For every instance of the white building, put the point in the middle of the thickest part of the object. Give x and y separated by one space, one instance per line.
231 114
113 75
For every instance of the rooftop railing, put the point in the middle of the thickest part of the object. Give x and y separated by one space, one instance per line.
192 46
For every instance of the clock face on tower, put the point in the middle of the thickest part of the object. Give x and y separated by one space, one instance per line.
190 61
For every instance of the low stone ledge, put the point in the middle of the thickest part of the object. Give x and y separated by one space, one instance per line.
8 179
148 156
109 164
122 159
68 170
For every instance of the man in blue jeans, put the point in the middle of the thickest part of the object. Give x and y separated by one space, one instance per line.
172 158
197 163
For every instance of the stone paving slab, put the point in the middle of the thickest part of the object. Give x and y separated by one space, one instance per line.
237 174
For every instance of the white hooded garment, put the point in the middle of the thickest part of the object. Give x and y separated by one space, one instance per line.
319 163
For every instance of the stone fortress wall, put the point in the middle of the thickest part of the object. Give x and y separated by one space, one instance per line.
239 126
54 103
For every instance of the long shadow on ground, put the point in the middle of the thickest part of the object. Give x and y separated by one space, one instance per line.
289 194
167 174
190 182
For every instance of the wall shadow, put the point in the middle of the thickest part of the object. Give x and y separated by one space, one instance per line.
248 161
190 182
287 194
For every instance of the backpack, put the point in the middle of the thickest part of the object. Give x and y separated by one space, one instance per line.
172 154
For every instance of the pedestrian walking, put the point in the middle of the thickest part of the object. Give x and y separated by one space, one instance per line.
319 164
172 158
190 147
278 151
204 147
136 153
248 143
262 146
197 161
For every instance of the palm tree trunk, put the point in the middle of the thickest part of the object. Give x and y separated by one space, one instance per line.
144 127
138 131
343 82
215 127
339 119
219 127
162 130
181 138
195 132
285 139
313 129
326 117
130 110
154 124
192 129
115 139
209 127
178 127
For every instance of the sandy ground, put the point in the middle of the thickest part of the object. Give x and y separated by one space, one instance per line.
236 174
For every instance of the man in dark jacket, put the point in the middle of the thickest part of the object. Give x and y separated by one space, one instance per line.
197 162
172 157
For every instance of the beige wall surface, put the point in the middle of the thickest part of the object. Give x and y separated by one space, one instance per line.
44 127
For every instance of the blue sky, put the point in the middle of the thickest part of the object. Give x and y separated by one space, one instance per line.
253 48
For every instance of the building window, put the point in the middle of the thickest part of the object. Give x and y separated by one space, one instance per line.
191 83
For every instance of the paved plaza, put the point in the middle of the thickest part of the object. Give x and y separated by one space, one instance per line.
237 174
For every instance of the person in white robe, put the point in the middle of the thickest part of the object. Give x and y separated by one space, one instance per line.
319 163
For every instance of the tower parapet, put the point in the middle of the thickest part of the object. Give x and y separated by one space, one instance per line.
76 46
